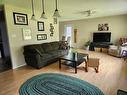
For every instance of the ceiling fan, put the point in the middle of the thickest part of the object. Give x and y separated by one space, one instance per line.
87 12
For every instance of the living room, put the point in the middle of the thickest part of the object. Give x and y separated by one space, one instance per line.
115 16
86 28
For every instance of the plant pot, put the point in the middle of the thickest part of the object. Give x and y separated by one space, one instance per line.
87 48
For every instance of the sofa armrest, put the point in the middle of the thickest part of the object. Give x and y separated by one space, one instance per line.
31 58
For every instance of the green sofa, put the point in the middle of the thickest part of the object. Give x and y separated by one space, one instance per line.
40 55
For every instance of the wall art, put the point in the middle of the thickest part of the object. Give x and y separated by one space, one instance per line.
51 29
41 36
103 27
40 26
26 34
20 18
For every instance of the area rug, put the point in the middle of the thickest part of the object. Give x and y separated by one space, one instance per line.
57 84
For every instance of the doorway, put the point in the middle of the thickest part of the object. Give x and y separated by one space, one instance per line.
5 60
68 34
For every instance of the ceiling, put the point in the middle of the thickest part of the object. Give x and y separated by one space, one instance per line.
69 9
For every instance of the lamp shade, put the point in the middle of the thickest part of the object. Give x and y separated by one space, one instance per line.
33 17
56 13
43 16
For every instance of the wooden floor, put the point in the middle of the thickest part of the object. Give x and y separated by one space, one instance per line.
111 77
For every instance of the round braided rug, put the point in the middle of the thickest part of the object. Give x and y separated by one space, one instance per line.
57 84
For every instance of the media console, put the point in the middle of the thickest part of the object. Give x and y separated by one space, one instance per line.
94 45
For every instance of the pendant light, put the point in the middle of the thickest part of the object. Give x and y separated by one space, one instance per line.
56 13
33 14
43 16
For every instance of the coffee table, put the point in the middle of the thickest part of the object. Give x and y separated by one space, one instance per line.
73 60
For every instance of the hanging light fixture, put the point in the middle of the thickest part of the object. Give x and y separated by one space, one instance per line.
43 16
56 13
33 14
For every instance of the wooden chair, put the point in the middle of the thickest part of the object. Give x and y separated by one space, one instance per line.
94 63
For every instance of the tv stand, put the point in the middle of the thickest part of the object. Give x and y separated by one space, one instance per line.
94 45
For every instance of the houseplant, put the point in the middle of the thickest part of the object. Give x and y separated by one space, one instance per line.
87 44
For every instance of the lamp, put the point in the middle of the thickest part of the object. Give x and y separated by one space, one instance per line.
33 15
56 13
43 16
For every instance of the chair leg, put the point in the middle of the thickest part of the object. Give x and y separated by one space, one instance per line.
86 69
86 66
97 69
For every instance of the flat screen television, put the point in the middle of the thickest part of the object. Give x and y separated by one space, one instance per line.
101 37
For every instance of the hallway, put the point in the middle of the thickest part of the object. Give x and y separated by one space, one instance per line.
5 62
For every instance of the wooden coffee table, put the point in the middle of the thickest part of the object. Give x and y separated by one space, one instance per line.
73 60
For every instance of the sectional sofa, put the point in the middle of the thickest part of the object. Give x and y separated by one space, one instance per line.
40 55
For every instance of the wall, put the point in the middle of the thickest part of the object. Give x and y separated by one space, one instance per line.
117 26
0 1
15 33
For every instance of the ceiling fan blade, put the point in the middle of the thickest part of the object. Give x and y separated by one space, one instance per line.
87 12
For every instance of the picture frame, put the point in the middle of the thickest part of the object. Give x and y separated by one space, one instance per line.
26 34
103 27
40 25
42 37
20 18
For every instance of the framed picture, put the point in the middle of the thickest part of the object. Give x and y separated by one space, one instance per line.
41 36
40 26
103 27
26 34
20 19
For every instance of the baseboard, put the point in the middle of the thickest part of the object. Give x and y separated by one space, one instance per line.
19 66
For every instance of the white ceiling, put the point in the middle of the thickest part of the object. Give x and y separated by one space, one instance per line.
69 9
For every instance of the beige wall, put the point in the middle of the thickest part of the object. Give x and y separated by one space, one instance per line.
15 33
117 26
1 1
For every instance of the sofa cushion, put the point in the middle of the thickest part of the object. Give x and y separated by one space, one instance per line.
55 53
47 47
58 53
36 47
45 57
55 45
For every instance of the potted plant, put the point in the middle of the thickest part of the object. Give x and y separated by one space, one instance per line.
87 44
